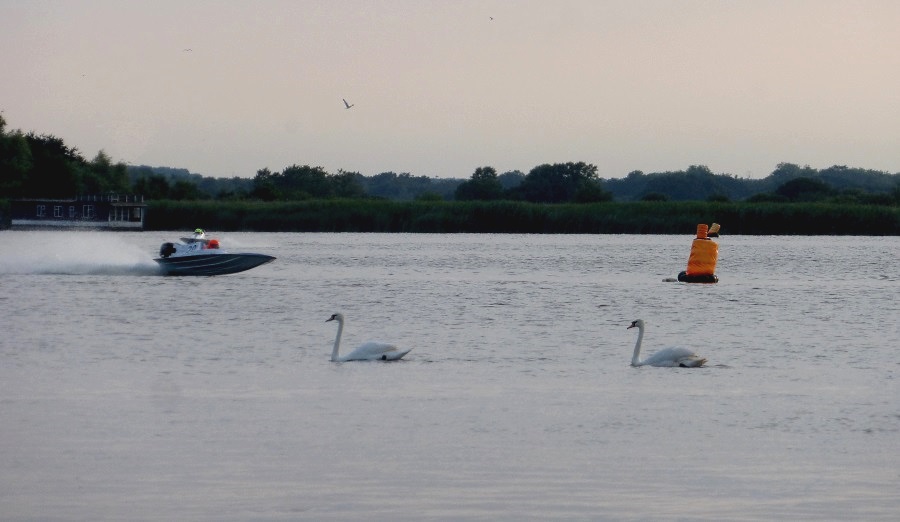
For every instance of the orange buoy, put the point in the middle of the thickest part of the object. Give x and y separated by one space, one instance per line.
701 266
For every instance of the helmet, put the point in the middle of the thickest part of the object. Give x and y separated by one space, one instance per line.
198 231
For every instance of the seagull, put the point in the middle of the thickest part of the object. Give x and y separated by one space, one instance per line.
347 105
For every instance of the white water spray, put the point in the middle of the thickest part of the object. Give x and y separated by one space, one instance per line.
72 252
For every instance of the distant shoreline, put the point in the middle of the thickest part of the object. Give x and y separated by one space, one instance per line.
516 217
739 218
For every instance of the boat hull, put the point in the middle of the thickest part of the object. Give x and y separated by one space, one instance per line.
211 264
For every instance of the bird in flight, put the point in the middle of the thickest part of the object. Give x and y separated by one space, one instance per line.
347 105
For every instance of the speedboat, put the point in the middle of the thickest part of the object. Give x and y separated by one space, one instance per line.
198 256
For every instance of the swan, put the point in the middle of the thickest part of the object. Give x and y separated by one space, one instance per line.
369 351
668 357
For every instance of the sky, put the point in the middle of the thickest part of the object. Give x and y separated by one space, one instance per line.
440 88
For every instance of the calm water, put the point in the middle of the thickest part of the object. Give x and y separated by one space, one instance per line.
129 396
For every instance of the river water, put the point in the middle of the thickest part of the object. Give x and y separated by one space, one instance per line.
125 395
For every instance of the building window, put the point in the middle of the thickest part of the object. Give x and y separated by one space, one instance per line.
57 211
88 212
42 211
71 212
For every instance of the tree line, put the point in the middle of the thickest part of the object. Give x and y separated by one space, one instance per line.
503 216
44 166
33 165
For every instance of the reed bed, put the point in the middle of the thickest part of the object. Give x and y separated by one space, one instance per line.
522 217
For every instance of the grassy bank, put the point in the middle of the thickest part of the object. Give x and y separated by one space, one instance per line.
4 214
519 217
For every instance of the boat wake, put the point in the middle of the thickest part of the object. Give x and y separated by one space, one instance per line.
72 253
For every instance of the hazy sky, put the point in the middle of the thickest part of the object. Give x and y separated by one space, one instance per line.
225 88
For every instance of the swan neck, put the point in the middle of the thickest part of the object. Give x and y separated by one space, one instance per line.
337 341
636 358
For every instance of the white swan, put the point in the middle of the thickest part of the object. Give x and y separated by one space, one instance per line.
370 351
668 357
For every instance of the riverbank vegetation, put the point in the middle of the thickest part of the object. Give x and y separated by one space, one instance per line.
551 198
522 217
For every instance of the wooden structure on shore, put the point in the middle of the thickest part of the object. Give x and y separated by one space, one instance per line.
106 211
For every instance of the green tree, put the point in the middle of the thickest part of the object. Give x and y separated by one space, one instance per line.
429 196
184 190
15 162
101 175
654 196
805 189
511 179
558 183
154 186
296 182
483 185
695 183
785 172
592 192
264 187
405 187
57 169
347 185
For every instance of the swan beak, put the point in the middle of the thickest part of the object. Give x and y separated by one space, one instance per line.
630 327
